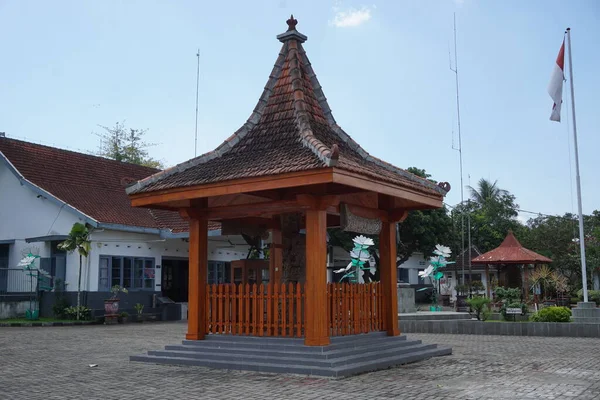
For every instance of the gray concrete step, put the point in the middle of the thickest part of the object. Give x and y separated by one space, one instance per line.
344 356
292 367
286 344
278 358
296 350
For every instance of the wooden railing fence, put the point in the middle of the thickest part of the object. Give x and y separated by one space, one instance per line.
354 308
278 310
255 310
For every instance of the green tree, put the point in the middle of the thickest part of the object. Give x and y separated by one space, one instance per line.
557 238
126 145
78 241
486 192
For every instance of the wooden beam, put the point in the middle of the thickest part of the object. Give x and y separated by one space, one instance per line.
397 215
246 185
198 260
355 180
316 332
318 202
245 210
388 271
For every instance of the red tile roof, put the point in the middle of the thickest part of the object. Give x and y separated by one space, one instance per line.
291 129
93 185
511 251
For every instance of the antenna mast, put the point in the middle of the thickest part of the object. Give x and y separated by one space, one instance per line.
197 89
459 148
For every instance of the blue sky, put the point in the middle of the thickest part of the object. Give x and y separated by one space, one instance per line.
69 66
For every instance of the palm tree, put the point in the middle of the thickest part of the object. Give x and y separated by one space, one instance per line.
79 241
486 191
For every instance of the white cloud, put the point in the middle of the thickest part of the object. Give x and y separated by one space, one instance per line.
351 17
459 2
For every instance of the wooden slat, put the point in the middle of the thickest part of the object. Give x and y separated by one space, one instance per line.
291 322
261 310
213 309
246 301
276 331
207 315
227 314
283 310
298 309
254 310
269 309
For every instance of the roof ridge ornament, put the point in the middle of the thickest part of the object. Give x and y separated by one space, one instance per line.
292 22
292 33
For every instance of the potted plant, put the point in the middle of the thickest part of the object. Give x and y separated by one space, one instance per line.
139 308
462 292
123 316
111 306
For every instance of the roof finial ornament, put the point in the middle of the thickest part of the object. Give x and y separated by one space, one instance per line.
292 22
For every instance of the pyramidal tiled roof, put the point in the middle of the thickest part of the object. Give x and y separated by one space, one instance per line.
511 251
291 129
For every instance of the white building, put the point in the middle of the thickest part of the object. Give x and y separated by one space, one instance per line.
45 190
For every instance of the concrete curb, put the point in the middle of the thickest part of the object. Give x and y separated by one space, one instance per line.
41 324
466 327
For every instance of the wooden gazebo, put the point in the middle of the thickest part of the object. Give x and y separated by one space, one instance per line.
511 252
291 170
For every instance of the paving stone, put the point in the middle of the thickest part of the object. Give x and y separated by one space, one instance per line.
53 363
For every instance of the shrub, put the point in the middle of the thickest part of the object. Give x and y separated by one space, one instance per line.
593 295
84 312
508 295
552 314
477 286
479 304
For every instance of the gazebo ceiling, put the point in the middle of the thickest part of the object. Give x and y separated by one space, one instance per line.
290 141
511 252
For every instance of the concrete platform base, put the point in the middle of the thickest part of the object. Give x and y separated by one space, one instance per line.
586 312
434 316
346 355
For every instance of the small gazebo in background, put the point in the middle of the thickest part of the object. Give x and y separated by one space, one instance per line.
511 254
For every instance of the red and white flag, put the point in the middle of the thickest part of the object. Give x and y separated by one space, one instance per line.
556 84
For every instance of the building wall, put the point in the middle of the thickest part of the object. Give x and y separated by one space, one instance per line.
116 243
25 214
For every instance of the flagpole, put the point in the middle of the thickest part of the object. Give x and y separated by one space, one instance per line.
577 176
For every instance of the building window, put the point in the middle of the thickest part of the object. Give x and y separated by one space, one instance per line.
403 275
4 255
218 272
3 267
134 273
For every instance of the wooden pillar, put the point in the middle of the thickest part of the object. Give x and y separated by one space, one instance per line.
388 275
487 280
276 256
316 332
526 281
198 274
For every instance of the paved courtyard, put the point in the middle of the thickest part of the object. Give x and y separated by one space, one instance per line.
53 363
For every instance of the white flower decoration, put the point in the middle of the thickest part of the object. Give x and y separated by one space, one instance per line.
438 260
343 269
360 255
363 240
27 261
443 251
427 272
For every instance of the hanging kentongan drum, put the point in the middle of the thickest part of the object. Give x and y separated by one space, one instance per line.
353 223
